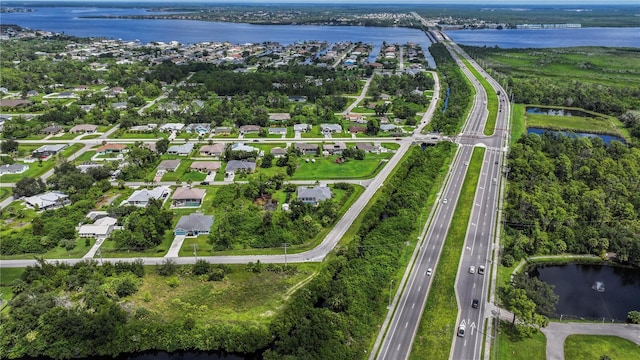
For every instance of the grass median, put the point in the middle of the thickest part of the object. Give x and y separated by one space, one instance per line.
433 340
492 99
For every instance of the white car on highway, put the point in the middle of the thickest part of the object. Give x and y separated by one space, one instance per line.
472 269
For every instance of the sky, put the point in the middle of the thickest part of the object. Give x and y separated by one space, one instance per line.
388 2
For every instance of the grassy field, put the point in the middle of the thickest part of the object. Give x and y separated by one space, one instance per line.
589 64
438 323
492 99
6 279
242 296
183 173
599 124
327 168
578 347
512 347
5 193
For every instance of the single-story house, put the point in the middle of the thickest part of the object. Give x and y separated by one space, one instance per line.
84 128
353 117
368 147
279 117
50 130
100 229
121 105
222 130
188 197
199 129
278 152
88 165
48 200
182 150
111 148
13 168
48 150
357 129
142 197
301 127
11 103
169 165
245 129
306 149
388 127
243 147
205 166
297 98
194 224
278 131
313 195
330 128
141 128
172 127
212 150
336 148
66 95
235 165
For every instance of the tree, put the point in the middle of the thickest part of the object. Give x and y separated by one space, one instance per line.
633 317
373 126
28 186
162 145
201 267
8 146
267 161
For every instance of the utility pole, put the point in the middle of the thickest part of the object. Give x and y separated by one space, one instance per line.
285 245
100 254
195 253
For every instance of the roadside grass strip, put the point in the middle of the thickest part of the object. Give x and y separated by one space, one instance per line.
433 339
512 347
577 347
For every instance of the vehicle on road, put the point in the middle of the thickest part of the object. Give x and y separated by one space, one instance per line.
481 269
429 271
444 201
472 269
204 183
474 303
461 330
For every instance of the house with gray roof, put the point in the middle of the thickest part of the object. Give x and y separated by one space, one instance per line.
194 224
336 148
50 130
278 131
279 117
45 151
234 165
245 129
243 147
278 152
306 149
48 200
13 168
330 128
313 195
301 127
199 129
169 165
212 150
188 197
84 128
181 150
141 197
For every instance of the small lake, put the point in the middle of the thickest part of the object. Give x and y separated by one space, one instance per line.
607 139
573 284
557 112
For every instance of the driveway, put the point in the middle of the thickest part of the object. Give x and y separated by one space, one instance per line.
175 246
556 334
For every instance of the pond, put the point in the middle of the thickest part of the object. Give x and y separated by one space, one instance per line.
605 138
592 292
558 112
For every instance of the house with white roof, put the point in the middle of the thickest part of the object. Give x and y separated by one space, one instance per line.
100 229
13 168
243 147
172 127
48 200
331 128
142 197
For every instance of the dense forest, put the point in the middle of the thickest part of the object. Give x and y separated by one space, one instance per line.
570 194
455 90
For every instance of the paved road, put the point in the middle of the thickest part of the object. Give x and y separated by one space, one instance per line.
557 333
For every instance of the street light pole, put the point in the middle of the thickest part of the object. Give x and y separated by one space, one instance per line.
285 245
390 285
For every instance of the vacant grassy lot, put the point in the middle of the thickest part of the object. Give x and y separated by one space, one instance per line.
327 168
578 347
242 296
6 279
518 128
512 347
438 323
5 193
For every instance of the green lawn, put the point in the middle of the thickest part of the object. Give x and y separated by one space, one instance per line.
57 252
86 156
438 323
184 174
242 296
599 124
110 250
65 136
136 135
5 193
91 136
512 347
327 168
7 275
35 170
578 347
